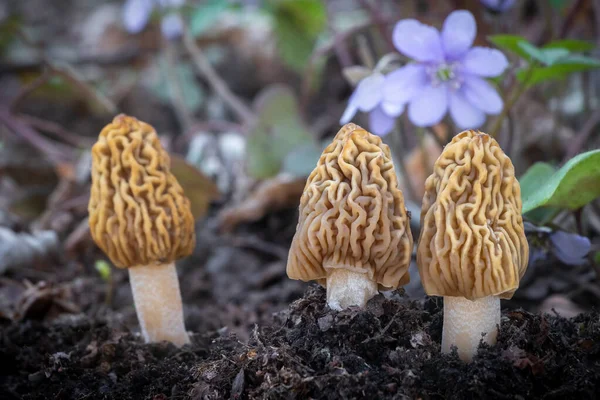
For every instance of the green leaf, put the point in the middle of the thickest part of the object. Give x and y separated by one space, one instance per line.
204 16
103 269
573 45
558 4
297 23
192 92
560 70
597 257
530 183
510 43
302 160
278 131
571 187
198 188
545 56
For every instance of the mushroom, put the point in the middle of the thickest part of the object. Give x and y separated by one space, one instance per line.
472 248
353 234
140 217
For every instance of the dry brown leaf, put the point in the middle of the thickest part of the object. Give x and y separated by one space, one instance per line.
273 194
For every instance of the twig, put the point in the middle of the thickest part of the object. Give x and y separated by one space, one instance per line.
57 130
124 57
255 243
242 111
380 22
514 95
30 88
175 90
56 152
70 75
579 141
309 75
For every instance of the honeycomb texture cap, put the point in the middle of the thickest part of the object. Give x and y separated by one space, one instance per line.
138 212
352 214
472 242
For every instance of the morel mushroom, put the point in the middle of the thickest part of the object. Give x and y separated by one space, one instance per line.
472 247
140 217
353 234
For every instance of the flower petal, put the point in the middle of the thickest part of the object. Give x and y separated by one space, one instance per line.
369 92
404 83
379 122
458 34
498 5
464 114
429 107
484 61
171 25
483 95
392 109
418 41
136 14
570 248
350 110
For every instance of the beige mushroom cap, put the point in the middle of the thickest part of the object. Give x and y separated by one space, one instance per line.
472 242
139 214
352 214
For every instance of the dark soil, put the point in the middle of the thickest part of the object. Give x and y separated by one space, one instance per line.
389 350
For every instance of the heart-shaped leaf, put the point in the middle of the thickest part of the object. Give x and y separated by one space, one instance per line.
278 131
571 187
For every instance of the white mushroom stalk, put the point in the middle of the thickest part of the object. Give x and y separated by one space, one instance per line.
347 288
469 322
158 303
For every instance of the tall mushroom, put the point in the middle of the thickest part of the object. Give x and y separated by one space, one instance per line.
472 247
140 217
353 234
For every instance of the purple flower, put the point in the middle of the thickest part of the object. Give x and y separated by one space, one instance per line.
570 248
498 6
136 14
448 73
368 97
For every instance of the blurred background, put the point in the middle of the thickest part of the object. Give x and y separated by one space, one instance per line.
245 95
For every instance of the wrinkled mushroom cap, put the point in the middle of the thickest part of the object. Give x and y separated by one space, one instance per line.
139 214
352 214
472 242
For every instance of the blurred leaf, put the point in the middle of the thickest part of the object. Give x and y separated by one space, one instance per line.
193 94
558 4
205 15
560 70
302 160
298 23
510 43
545 56
103 269
597 257
572 186
530 183
573 45
197 187
278 131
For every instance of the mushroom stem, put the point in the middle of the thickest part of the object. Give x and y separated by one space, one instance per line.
466 320
158 303
348 288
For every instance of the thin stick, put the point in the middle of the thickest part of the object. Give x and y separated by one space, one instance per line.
175 89
205 69
579 141
57 130
56 152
